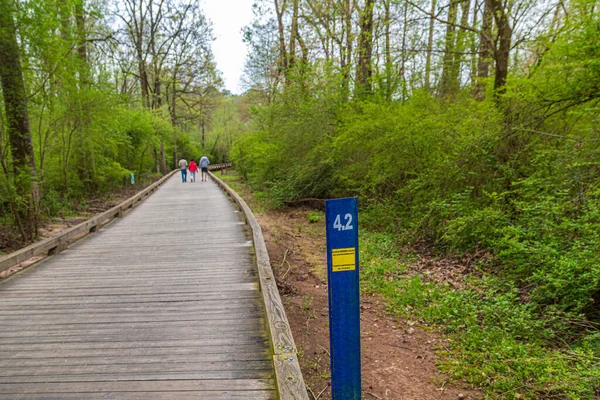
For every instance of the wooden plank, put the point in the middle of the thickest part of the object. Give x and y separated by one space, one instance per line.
43 380
197 350
176 328
128 290
124 344
288 376
160 367
131 298
147 386
44 310
102 359
133 336
179 395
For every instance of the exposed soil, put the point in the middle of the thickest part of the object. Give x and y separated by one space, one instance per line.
398 357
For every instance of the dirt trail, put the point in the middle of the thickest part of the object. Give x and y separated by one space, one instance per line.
398 359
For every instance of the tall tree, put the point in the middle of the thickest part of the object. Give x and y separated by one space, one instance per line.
430 45
447 83
364 69
503 43
15 103
485 49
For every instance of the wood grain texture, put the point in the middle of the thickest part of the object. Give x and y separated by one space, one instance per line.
59 242
290 384
162 303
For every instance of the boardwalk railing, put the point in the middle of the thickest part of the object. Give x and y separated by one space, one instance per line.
216 167
290 383
59 242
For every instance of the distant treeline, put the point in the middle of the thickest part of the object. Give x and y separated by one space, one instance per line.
94 90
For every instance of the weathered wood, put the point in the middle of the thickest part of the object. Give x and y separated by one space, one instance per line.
24 301
257 350
140 377
195 395
116 387
290 384
101 359
58 292
55 244
157 368
168 292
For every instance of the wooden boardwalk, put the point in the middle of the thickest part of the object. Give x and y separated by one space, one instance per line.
163 303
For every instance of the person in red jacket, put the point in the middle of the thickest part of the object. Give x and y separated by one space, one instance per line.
193 169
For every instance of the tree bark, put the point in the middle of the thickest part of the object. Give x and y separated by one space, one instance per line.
473 47
446 83
502 53
364 70
485 50
294 35
389 87
163 159
15 103
459 48
429 46
81 43
346 51
283 57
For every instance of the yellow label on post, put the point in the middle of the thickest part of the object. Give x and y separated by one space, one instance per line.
343 259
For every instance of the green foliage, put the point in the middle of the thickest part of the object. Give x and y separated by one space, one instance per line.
91 124
425 171
497 341
314 217
515 177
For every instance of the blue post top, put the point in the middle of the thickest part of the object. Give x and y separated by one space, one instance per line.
341 217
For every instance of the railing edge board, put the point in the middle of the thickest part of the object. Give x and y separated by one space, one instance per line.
288 374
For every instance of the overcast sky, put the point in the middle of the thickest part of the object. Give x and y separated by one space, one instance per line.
228 18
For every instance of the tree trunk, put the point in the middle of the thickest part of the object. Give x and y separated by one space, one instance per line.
503 49
283 57
15 103
473 47
446 83
389 66
485 50
294 35
163 159
156 161
81 43
346 51
364 70
429 47
202 128
460 47
404 53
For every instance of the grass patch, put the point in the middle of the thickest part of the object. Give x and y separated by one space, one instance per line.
499 342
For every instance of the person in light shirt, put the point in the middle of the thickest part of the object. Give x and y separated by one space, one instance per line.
204 162
183 167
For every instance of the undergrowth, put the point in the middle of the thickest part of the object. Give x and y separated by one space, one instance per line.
501 343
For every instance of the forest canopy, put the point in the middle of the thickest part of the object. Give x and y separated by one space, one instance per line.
93 91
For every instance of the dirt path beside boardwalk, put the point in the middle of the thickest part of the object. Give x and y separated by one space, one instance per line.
398 358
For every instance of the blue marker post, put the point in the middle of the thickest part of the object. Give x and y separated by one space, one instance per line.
341 217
